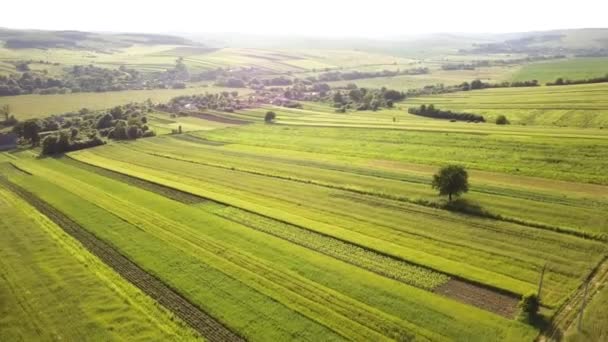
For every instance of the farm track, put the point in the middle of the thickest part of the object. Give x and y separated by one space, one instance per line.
206 325
566 315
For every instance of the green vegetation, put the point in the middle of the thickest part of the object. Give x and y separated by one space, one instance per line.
53 289
451 180
576 68
594 321
36 106
344 219
569 106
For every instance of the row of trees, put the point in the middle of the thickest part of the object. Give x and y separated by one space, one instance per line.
432 112
355 75
66 142
560 81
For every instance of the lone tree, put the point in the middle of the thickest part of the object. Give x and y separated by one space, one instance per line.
270 116
451 180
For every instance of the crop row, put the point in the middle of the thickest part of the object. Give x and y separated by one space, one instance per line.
383 265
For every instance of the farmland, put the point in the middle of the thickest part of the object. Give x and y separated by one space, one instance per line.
290 211
53 289
577 68
330 206
37 106
572 106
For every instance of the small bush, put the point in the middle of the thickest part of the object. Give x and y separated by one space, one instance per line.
270 117
528 307
502 120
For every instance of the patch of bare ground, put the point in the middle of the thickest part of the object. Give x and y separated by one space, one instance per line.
566 315
200 321
220 119
502 303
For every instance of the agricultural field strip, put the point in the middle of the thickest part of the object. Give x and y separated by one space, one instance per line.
574 105
351 318
155 288
388 246
549 157
171 193
366 181
502 304
422 307
383 265
43 265
352 254
382 121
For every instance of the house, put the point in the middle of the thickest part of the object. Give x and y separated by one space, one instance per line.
8 141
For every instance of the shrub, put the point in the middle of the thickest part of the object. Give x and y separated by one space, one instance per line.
270 117
502 120
528 307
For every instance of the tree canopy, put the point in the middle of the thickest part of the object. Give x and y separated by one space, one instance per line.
451 180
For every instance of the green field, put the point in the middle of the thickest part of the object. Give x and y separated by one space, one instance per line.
567 106
53 289
573 69
317 225
35 106
594 321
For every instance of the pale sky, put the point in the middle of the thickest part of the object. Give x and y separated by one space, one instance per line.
372 18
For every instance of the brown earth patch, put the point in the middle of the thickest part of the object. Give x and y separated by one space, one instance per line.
200 321
492 300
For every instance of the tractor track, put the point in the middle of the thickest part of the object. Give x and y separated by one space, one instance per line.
196 318
567 314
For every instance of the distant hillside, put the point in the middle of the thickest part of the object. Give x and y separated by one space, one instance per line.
580 42
36 39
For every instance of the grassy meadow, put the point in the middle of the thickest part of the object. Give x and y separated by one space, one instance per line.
53 289
574 69
583 105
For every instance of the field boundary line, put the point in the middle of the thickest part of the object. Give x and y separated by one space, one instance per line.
162 293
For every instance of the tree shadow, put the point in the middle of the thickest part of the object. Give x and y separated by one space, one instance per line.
464 206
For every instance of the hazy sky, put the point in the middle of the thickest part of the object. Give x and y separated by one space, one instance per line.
307 17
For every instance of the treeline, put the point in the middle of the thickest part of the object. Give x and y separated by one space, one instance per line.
74 131
224 101
432 112
365 99
497 62
247 77
466 86
89 78
560 81
355 75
